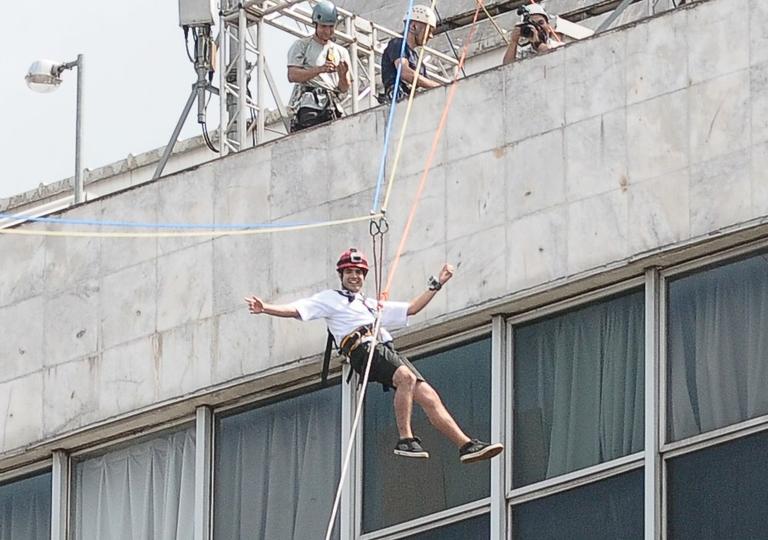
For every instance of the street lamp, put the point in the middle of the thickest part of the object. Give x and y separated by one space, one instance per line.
45 76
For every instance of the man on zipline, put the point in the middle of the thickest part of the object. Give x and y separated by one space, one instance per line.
417 33
350 317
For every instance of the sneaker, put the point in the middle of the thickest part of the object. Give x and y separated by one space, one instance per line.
476 450
411 448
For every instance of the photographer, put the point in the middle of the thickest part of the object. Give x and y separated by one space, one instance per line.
530 36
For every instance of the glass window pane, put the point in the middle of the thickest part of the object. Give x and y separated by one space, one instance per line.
277 468
25 508
608 509
578 388
476 528
717 347
397 489
720 492
146 490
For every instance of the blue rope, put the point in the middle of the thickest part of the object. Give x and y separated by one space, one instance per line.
391 115
137 225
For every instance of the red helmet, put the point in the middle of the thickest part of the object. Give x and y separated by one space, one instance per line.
352 259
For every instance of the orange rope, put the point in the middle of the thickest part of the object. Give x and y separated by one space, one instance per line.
432 153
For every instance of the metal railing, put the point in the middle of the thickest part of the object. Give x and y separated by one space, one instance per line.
241 46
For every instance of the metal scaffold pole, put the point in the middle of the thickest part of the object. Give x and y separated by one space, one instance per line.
242 43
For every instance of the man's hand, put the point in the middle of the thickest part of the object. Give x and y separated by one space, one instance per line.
342 69
421 301
328 67
446 273
255 305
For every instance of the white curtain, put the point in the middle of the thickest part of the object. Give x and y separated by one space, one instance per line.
718 347
143 492
277 469
578 389
25 509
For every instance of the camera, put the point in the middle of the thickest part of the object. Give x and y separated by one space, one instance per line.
527 30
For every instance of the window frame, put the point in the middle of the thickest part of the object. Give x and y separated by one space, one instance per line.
104 447
431 521
594 472
263 398
670 450
692 267
31 469
612 472
37 468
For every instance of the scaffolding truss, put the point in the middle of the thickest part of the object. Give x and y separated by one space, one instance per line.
241 46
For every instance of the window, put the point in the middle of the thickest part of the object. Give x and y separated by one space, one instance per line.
476 528
578 388
277 468
720 492
717 347
146 490
25 508
397 489
608 509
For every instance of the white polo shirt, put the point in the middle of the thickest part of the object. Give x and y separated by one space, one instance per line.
344 314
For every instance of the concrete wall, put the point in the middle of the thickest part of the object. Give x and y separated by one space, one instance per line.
633 142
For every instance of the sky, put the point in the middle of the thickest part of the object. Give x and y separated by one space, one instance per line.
137 79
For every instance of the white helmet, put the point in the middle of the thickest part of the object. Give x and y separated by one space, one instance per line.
423 14
535 9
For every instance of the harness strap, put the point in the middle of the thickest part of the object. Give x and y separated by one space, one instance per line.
329 344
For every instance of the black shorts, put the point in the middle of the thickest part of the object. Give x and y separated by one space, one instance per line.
385 362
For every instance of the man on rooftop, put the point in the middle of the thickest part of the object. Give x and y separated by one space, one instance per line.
320 69
422 24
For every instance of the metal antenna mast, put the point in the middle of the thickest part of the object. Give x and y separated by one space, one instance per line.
194 16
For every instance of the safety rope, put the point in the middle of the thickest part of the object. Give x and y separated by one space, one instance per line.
384 294
377 230
414 85
272 228
355 423
146 225
494 23
431 156
391 113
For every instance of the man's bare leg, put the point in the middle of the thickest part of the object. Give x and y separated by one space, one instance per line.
438 415
404 382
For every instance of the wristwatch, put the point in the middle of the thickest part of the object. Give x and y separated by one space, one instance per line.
433 284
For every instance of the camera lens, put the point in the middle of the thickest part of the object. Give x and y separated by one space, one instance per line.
526 31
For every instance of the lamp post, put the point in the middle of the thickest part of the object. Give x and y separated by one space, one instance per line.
44 76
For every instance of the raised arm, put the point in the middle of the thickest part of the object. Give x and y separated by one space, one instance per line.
257 306
510 55
421 301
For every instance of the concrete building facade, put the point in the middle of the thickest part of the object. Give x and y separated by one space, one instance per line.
605 206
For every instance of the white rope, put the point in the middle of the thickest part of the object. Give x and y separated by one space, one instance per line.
355 423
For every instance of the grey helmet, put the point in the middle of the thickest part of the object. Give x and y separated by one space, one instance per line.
325 12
